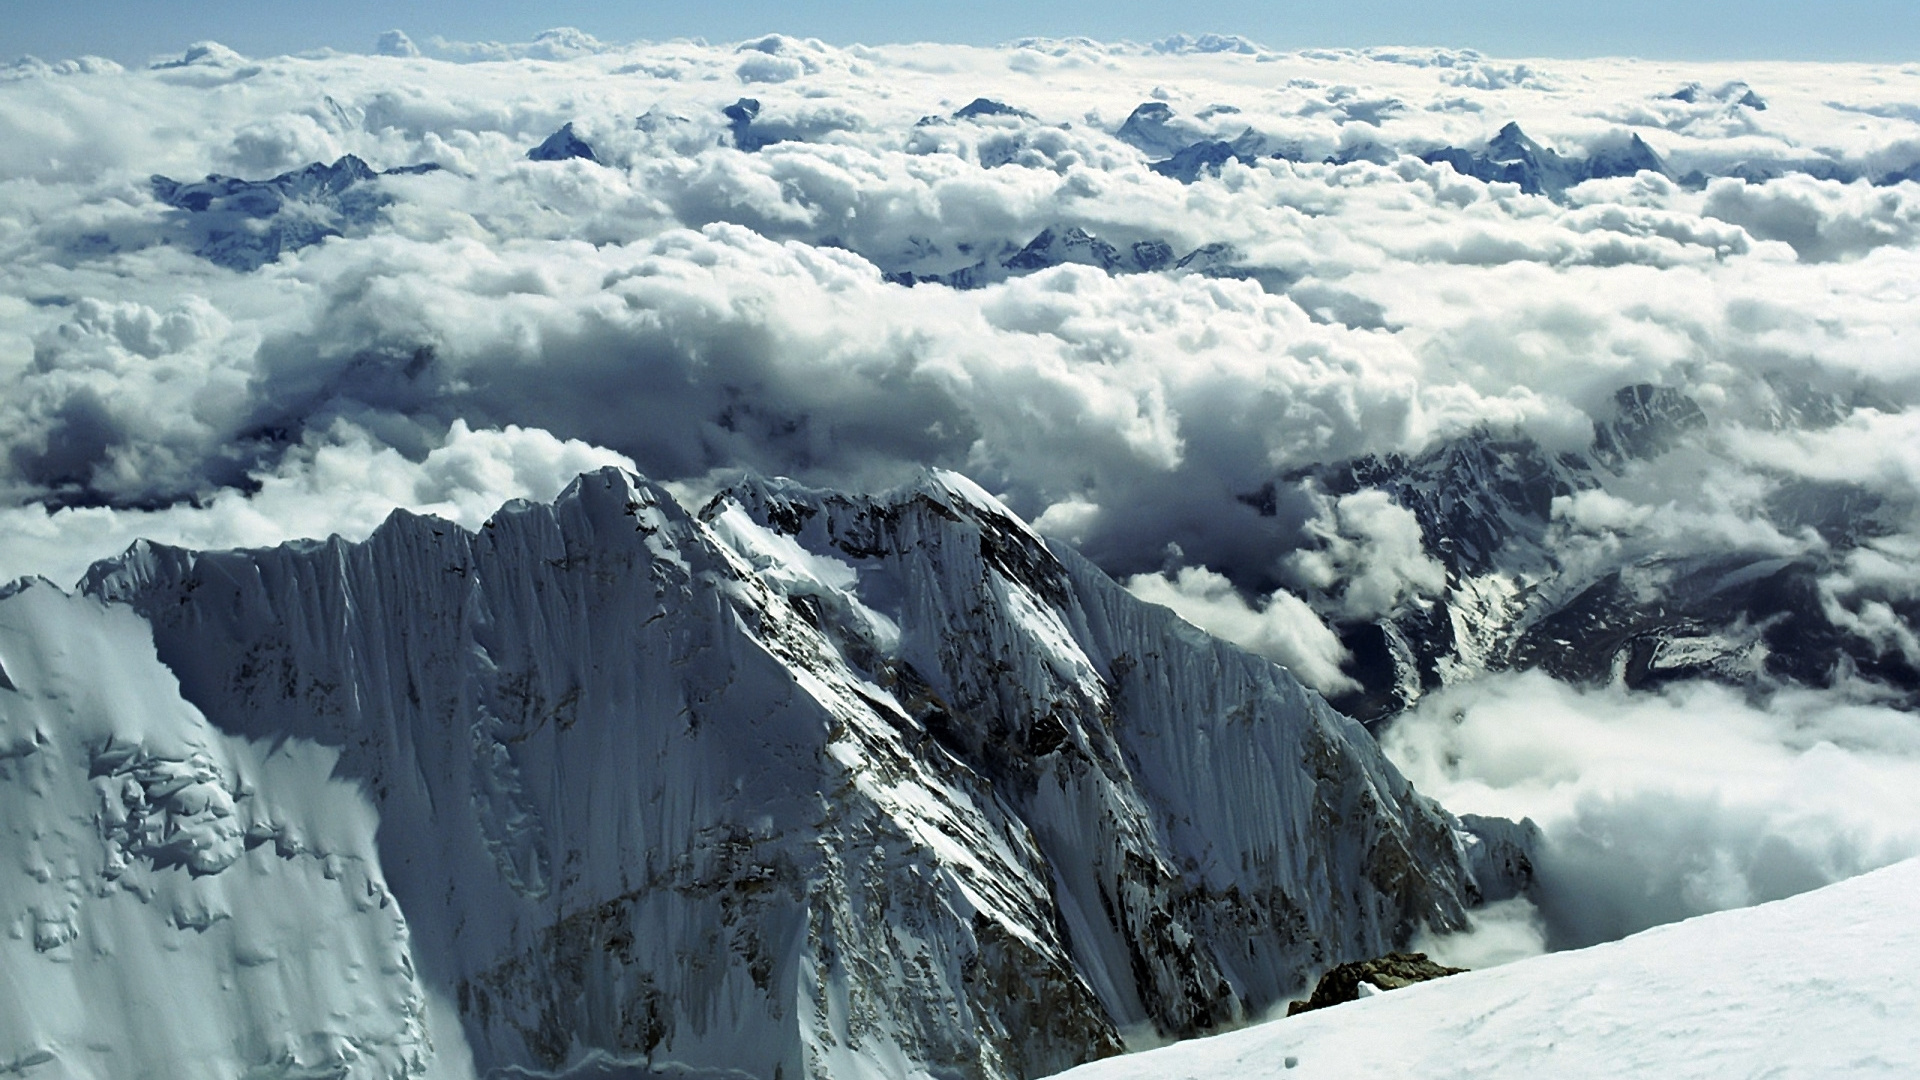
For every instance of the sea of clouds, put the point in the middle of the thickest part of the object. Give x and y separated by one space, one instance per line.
710 294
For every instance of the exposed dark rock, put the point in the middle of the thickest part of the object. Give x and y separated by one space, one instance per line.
1733 93
1389 972
753 131
1898 176
1502 854
1148 129
740 116
988 107
1205 158
562 145
1512 157
1054 246
1649 420
1485 504
219 215
975 840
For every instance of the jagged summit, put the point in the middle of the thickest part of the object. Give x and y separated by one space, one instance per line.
809 782
1190 163
1061 245
979 107
1513 157
562 145
221 217
1733 93
1492 509
1149 129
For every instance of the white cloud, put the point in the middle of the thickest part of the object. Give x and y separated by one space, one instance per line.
1470 303
340 481
1660 806
1498 933
1282 628
1370 557
1822 220
688 307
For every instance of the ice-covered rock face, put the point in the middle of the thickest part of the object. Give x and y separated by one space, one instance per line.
809 785
177 901
246 224
1214 830
1510 522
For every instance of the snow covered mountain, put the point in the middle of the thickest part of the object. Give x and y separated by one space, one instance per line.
1514 158
1816 985
805 785
1558 414
1500 515
246 224
179 901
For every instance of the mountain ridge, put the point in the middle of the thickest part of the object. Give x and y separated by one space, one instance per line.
810 784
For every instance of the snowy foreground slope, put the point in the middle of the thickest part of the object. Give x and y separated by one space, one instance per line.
1820 984
178 902
804 785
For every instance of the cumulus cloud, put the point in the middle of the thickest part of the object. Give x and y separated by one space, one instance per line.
1282 628
395 43
1498 933
1371 556
340 481
1822 220
697 305
1655 807
708 294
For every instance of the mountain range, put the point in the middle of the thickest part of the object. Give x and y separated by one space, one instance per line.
805 784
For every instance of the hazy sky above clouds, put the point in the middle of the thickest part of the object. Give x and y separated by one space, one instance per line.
132 30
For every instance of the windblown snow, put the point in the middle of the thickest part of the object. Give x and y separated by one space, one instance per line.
180 901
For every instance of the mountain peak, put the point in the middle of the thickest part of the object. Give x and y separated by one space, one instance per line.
562 145
988 107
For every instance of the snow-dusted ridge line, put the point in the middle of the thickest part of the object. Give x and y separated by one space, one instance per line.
808 784
1819 984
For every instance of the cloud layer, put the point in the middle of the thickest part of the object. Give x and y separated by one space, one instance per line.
1655 807
724 285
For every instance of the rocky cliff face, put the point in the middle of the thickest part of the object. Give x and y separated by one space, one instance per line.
1491 509
807 784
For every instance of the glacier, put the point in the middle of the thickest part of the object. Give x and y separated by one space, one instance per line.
803 785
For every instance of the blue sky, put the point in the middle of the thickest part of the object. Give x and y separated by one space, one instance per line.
133 30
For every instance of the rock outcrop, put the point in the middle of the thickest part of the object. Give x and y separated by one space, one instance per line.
1350 982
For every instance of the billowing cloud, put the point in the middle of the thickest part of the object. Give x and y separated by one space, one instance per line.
1822 220
1371 557
1283 628
341 481
1655 807
849 264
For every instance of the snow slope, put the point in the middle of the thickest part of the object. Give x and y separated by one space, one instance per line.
174 901
1820 984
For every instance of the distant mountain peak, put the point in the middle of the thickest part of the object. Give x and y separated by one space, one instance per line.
988 107
562 145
